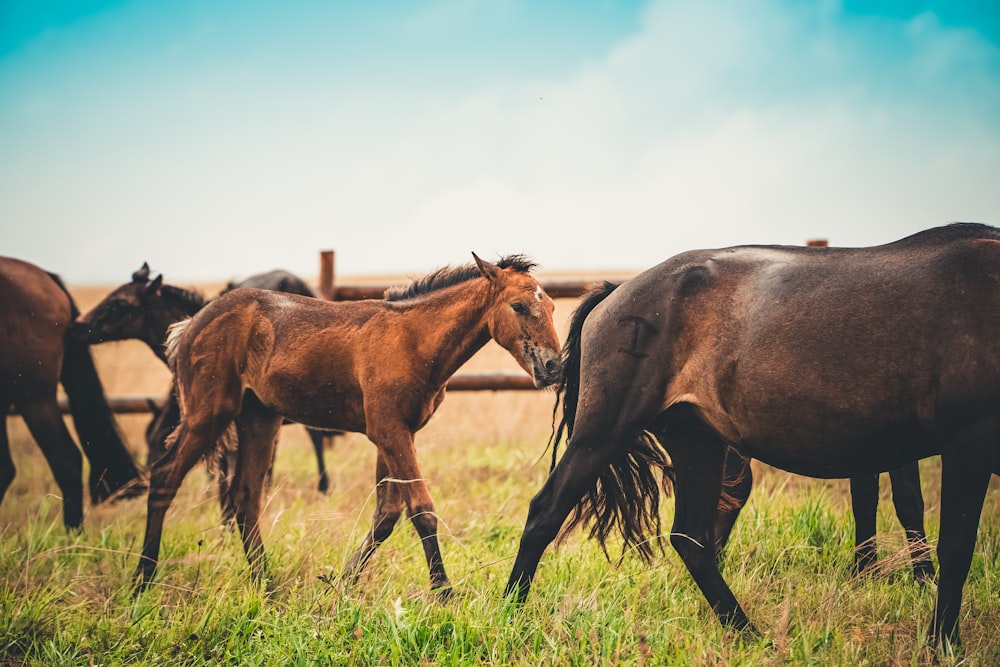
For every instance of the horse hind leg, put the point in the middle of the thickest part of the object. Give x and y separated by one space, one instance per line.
909 503
47 427
586 456
388 507
257 427
192 443
699 460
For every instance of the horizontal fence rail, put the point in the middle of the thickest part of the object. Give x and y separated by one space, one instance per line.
467 381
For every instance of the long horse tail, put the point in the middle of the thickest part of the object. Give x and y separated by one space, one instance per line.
112 470
626 496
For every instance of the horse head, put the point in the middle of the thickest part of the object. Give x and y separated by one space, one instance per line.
122 313
520 320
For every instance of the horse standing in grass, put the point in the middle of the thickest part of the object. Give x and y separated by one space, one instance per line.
827 362
35 356
144 308
377 367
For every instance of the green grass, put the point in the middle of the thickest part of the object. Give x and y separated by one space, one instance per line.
65 598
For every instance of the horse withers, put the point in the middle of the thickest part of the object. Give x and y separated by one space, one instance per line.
834 362
35 356
377 367
143 309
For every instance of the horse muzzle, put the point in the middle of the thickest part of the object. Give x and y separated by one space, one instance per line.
546 370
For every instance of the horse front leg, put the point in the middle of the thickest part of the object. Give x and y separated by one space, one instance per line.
736 486
396 448
864 507
966 462
388 507
699 460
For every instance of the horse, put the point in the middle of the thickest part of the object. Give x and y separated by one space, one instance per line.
825 362
377 367
35 356
144 308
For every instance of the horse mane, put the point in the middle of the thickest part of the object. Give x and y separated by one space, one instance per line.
453 275
188 300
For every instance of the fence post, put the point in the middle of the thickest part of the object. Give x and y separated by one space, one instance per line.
327 290
326 279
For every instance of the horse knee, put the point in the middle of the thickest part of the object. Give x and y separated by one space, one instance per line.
424 520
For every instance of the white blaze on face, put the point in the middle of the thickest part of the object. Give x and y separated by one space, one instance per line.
538 293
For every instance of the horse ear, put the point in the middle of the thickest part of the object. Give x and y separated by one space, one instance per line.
491 271
154 286
142 275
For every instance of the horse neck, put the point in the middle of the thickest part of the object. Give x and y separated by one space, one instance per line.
450 326
157 322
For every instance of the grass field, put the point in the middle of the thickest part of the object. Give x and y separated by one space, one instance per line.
66 599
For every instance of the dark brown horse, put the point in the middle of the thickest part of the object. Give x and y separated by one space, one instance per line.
35 356
377 367
144 308
827 362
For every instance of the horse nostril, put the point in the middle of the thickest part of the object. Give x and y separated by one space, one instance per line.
551 367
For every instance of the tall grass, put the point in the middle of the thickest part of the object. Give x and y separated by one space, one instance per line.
67 599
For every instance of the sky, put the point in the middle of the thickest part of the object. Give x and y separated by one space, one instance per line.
215 139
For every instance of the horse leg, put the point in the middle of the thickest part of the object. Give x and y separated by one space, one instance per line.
699 461
258 429
164 480
45 422
736 486
396 447
317 440
864 506
7 469
576 472
966 463
908 500
388 507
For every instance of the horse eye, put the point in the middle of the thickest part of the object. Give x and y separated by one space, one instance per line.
519 308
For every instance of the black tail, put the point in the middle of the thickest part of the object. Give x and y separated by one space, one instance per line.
626 497
111 465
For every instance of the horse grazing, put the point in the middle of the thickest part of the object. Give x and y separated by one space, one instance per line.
35 356
144 308
826 362
377 367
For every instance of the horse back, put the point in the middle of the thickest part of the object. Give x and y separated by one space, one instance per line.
34 314
774 346
301 356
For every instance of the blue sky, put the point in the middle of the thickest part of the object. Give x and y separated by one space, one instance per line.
216 138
